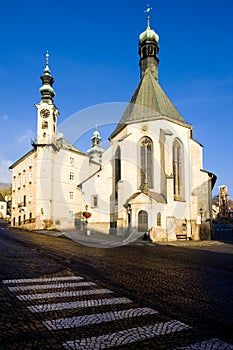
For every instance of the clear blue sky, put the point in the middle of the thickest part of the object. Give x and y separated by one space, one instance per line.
93 58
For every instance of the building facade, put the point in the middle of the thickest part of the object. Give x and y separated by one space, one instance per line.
149 179
3 207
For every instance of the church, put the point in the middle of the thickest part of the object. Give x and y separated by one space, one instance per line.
150 178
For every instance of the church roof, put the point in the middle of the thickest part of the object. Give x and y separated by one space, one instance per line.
62 143
1 198
148 101
158 197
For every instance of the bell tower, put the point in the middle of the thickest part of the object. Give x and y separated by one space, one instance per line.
47 111
149 49
95 152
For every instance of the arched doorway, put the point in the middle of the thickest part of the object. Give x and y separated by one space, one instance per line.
142 221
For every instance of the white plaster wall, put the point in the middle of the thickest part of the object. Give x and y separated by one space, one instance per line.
3 210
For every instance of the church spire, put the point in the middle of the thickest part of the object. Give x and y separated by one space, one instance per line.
46 89
149 48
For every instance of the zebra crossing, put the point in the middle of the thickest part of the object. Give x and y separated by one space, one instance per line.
120 321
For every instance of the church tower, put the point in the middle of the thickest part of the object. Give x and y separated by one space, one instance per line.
47 111
95 152
46 149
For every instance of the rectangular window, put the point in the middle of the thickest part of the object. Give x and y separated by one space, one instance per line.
72 176
71 195
94 201
2 206
71 214
72 161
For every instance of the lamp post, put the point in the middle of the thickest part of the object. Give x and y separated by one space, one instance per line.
129 210
86 215
201 210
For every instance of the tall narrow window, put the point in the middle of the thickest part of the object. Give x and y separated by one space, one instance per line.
146 163
94 201
117 169
159 219
24 201
178 179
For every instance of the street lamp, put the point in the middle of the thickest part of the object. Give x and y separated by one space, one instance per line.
86 215
201 210
129 211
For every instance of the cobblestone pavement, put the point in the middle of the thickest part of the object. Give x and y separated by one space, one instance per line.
58 294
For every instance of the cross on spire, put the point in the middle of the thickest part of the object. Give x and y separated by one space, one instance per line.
148 10
47 58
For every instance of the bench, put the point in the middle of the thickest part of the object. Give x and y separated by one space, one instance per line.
182 236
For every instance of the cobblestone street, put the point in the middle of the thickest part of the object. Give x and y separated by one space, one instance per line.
58 294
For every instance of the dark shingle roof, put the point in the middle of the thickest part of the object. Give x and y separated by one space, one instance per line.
148 101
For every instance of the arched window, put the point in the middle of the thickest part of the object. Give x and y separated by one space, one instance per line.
146 163
117 170
178 170
44 124
142 221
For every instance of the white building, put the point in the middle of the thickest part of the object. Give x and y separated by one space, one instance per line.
150 178
3 207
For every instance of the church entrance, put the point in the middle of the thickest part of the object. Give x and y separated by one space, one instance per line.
142 221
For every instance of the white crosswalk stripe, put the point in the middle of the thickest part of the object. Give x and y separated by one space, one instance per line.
79 321
125 337
78 304
211 344
51 286
42 280
66 294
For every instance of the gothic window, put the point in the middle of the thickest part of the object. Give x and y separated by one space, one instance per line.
146 163
178 169
117 170
142 221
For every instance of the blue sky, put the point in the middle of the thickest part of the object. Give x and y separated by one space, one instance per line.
93 58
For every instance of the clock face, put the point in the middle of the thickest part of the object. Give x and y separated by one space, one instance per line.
44 113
